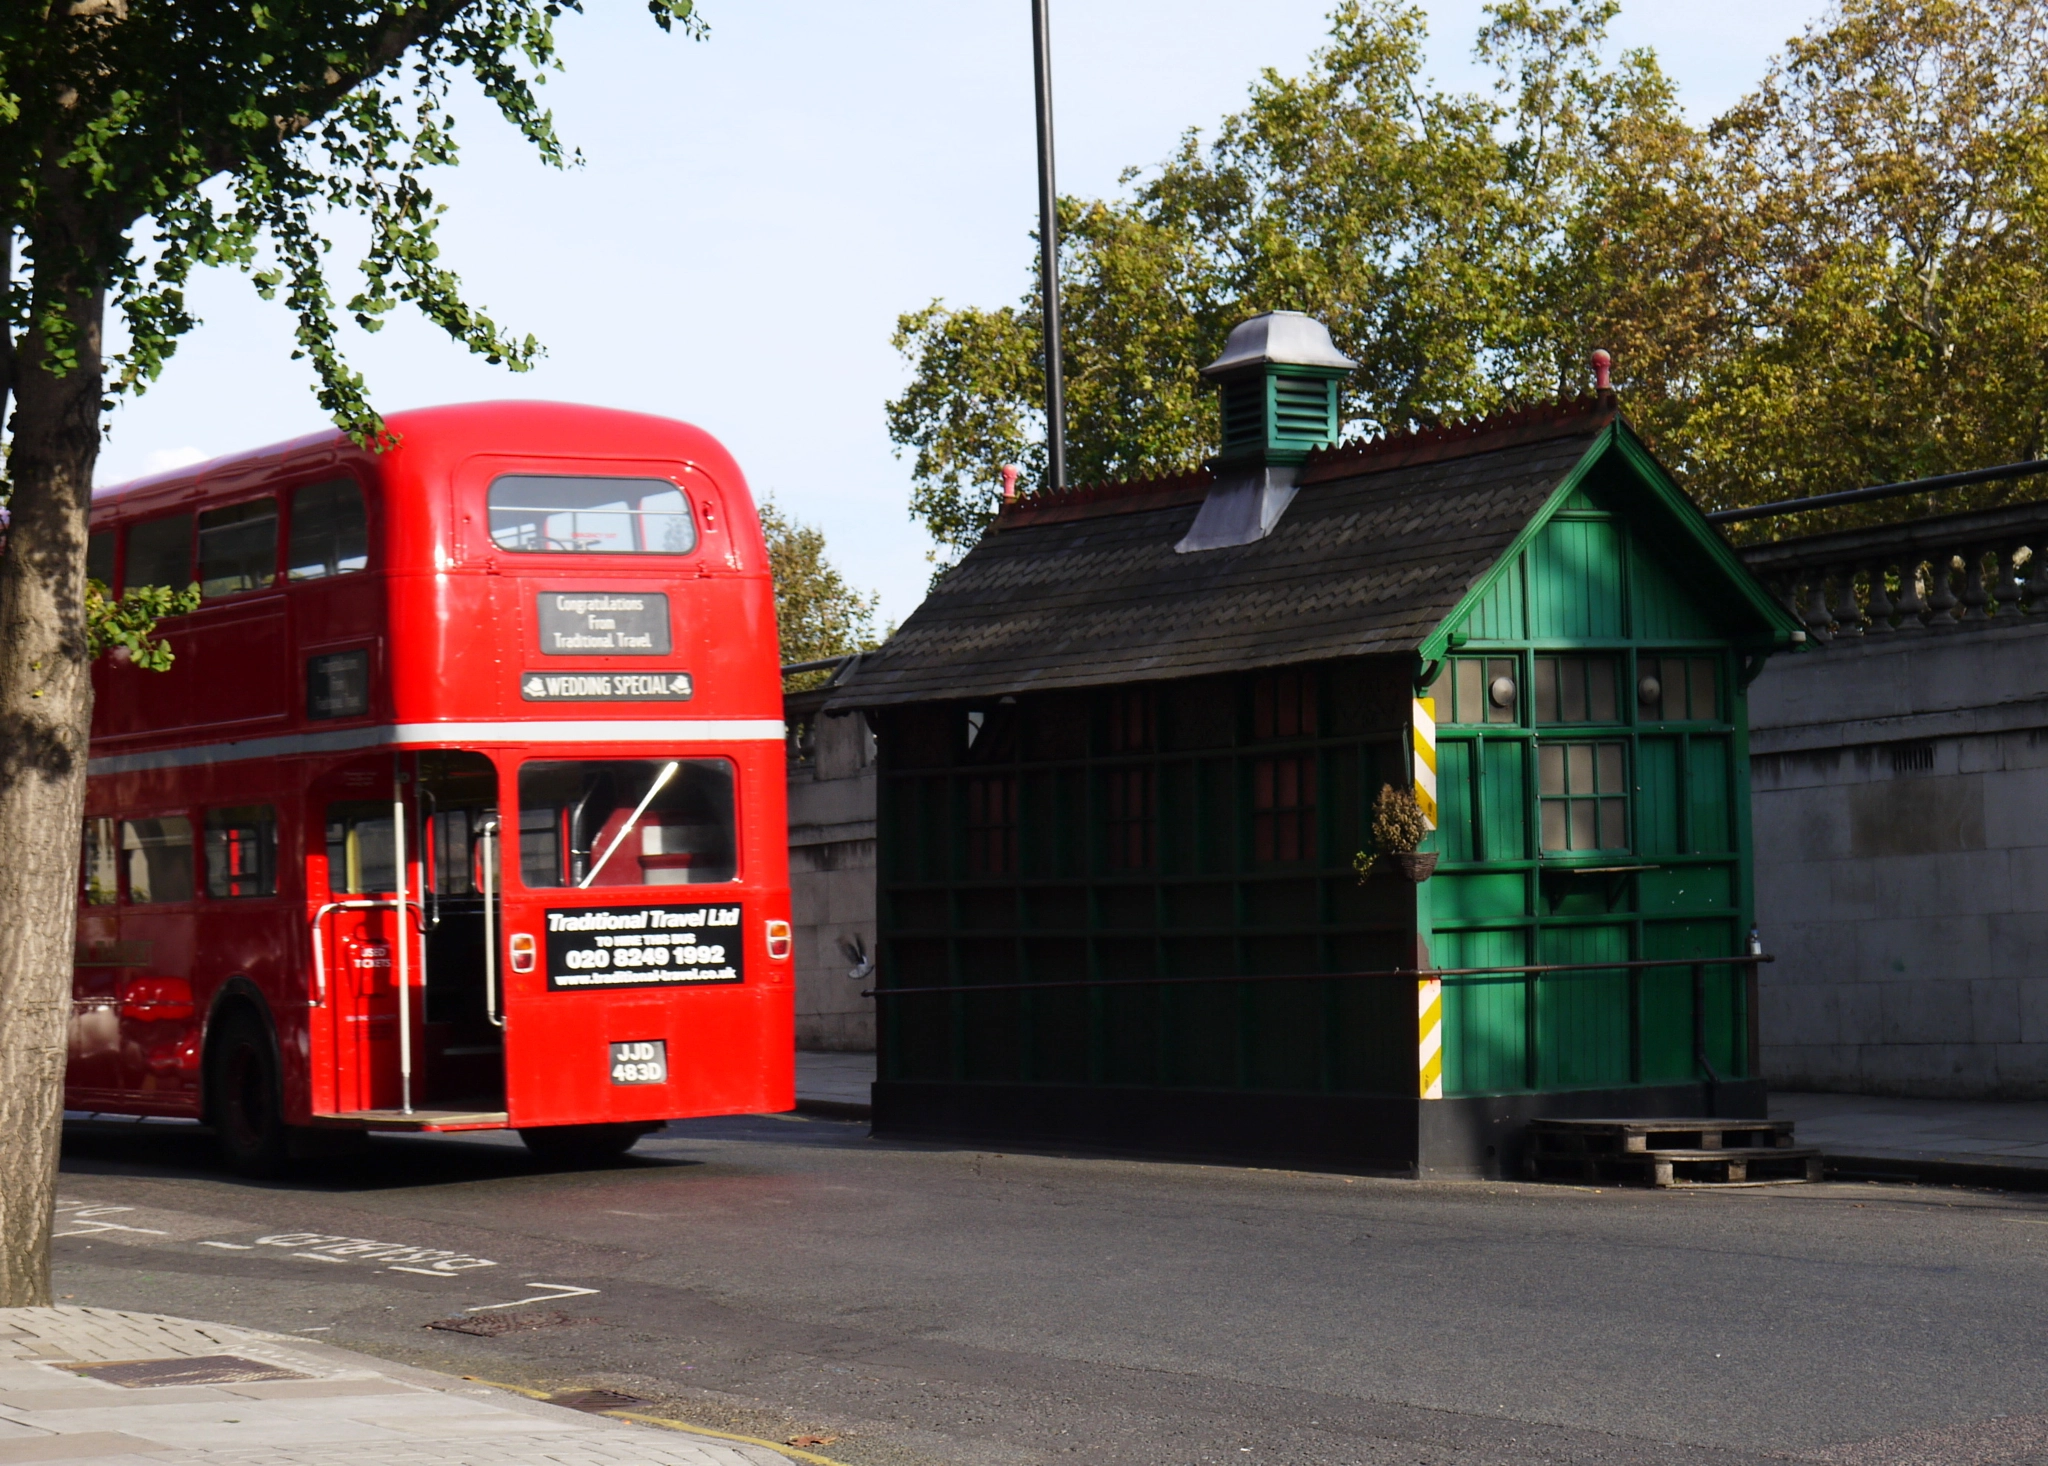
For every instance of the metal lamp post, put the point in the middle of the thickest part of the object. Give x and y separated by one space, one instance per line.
1049 256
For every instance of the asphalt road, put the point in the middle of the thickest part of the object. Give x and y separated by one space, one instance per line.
927 1304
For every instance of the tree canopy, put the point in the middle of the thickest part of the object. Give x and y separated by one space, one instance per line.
817 614
1837 283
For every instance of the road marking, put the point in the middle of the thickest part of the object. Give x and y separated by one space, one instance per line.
86 1219
231 1246
398 1257
559 1291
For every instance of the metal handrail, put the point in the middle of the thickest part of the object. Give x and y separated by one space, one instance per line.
1882 491
320 915
1523 969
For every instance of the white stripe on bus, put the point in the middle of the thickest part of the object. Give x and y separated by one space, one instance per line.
636 730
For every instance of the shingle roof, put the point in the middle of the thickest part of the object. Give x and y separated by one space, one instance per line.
1379 545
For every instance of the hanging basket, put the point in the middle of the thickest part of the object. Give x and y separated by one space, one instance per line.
1417 866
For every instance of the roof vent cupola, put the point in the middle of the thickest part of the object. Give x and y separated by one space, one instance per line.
1278 375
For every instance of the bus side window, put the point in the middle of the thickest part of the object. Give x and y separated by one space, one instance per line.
99 557
158 858
241 851
160 552
238 547
359 848
102 863
330 530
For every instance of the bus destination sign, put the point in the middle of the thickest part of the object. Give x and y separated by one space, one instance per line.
605 686
603 623
643 947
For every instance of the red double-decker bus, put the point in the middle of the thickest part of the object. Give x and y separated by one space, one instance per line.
462 805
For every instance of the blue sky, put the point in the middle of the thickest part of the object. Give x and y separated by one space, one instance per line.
756 209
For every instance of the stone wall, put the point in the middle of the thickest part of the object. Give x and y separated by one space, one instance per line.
1900 800
832 787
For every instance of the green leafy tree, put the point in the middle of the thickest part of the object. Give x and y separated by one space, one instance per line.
141 140
817 614
1884 193
1431 231
1839 282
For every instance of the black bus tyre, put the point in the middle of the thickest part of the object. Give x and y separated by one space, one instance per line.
581 1145
243 1094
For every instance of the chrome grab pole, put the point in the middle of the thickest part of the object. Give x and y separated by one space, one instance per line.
487 835
404 969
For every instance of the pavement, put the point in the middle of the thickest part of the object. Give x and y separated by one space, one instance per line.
1863 1136
167 1397
834 1085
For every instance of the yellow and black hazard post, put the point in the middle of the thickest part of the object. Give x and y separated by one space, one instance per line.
1429 991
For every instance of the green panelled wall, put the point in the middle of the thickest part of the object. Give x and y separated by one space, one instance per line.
1666 876
1154 834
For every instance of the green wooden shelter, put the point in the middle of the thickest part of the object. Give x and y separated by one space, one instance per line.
1129 749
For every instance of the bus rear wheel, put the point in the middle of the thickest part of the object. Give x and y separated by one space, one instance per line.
244 1096
581 1145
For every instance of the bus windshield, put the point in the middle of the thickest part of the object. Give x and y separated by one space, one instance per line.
590 516
572 811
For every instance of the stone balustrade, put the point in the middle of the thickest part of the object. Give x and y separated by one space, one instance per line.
1957 569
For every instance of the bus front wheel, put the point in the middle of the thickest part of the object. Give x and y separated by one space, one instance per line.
243 1091
581 1145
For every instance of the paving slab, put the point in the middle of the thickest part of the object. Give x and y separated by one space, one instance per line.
349 1410
1970 1141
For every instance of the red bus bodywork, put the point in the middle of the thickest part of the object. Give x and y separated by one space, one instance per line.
424 684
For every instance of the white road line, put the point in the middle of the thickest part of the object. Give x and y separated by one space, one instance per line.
559 1290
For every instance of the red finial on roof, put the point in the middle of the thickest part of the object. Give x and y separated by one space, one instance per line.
1603 366
1010 472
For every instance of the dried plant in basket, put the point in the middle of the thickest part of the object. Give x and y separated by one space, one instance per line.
1398 829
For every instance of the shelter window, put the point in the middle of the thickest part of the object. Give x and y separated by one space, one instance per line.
102 863
591 516
241 851
1284 810
1577 690
992 826
1128 802
631 822
160 552
359 847
1584 794
330 530
1677 689
237 547
1130 722
158 857
1478 690
1284 706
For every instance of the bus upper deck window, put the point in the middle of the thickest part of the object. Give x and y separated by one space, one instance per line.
99 556
158 854
590 516
160 552
579 817
330 530
237 547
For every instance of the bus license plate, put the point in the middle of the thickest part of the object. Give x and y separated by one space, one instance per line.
644 1061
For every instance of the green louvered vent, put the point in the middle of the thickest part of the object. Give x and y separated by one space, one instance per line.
1304 410
1244 415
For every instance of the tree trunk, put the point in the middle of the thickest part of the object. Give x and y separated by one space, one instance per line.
45 718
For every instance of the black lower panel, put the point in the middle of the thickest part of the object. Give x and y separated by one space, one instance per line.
1470 1137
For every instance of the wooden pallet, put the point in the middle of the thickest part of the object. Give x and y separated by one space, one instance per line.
1686 1151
